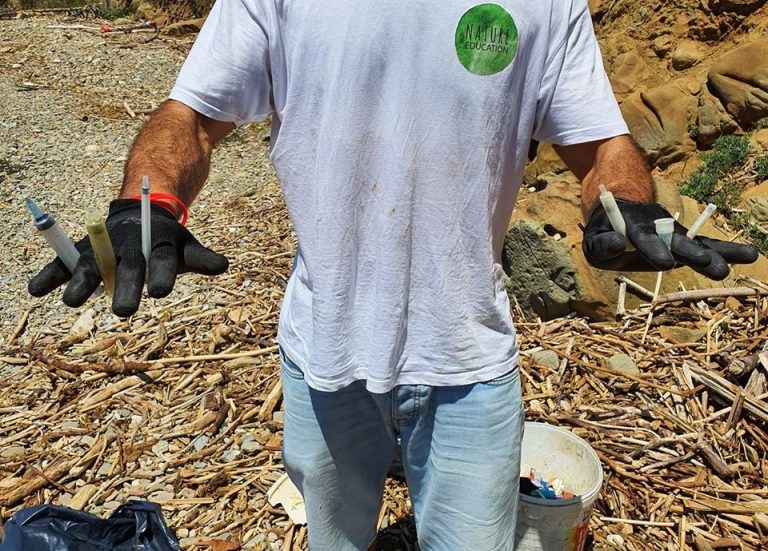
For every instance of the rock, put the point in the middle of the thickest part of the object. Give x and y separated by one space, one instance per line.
713 121
547 161
105 469
756 203
740 81
84 324
687 54
161 496
250 444
546 358
597 8
760 139
230 455
540 270
742 7
161 447
659 120
622 364
682 335
629 72
189 26
662 45
200 442
12 452
145 10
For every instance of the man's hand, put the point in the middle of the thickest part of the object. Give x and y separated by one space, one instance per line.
605 248
620 165
174 251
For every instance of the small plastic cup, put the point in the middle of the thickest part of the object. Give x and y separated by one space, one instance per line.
665 227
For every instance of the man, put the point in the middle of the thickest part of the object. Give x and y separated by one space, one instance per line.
400 131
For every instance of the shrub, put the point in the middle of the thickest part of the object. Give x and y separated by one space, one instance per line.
761 167
728 152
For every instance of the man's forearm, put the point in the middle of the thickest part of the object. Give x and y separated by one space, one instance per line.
174 150
616 163
621 167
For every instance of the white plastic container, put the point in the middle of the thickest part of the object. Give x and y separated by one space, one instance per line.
562 524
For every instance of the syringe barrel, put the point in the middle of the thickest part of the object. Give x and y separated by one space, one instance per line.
102 249
61 244
614 215
700 221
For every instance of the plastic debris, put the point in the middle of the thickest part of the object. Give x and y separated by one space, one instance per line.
284 492
134 526
535 486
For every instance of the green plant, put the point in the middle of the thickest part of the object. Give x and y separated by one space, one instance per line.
761 167
754 233
762 123
113 10
728 152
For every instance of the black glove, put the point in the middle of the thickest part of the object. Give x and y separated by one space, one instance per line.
174 251
604 248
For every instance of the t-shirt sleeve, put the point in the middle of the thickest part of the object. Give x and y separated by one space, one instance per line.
226 75
576 103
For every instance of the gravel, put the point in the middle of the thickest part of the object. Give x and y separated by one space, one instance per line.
64 135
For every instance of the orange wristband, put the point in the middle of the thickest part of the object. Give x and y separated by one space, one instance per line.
169 202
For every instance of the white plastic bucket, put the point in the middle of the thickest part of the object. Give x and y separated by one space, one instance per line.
557 524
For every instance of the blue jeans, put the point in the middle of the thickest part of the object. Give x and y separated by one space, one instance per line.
460 448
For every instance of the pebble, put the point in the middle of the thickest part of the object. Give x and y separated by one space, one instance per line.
680 335
622 364
12 452
161 447
161 496
230 455
200 442
546 358
250 444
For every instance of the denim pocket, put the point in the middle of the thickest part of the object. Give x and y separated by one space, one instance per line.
504 379
289 367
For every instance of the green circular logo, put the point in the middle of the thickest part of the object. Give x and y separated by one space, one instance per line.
486 39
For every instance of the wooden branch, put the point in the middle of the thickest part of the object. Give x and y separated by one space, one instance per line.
704 294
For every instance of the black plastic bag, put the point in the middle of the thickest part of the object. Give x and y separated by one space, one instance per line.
135 526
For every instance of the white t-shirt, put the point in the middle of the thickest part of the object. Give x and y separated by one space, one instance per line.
400 134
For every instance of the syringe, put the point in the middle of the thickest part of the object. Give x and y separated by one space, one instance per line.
614 215
146 222
55 236
703 217
102 249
